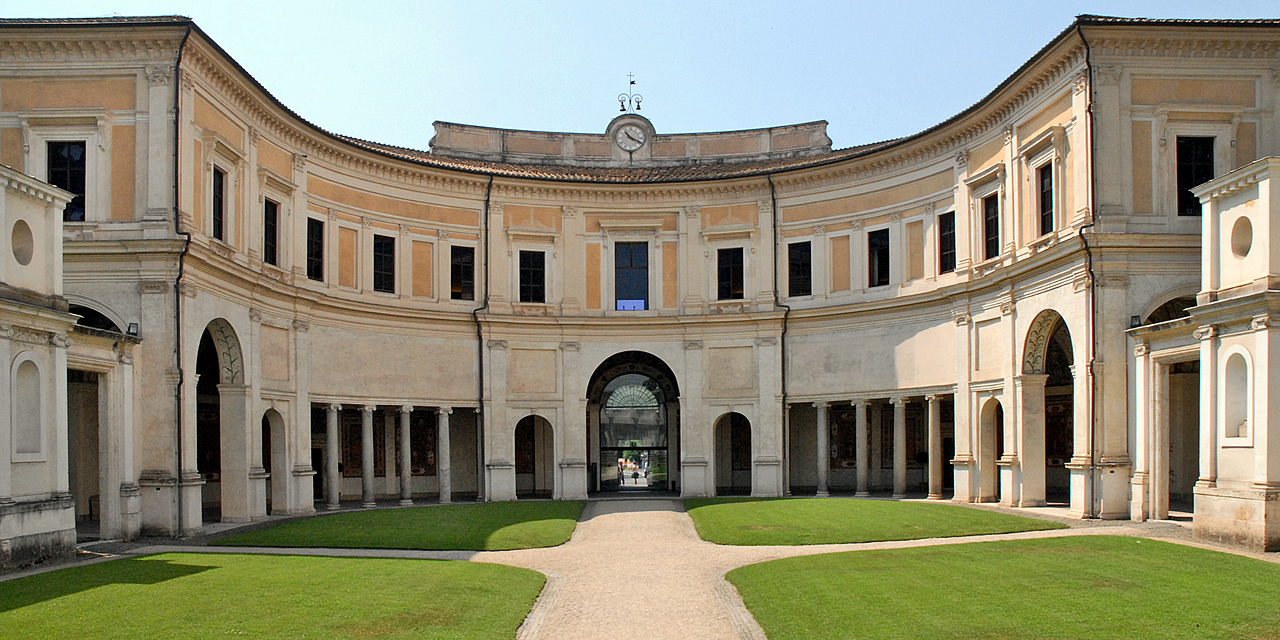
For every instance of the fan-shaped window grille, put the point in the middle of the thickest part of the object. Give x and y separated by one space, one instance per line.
632 397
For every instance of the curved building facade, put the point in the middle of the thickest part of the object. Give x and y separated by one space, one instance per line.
956 314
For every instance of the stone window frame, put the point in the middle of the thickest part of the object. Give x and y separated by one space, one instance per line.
536 241
990 181
220 153
1166 136
813 276
280 190
1044 149
93 126
737 237
446 274
894 268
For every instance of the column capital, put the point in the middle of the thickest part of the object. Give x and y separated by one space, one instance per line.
931 398
369 408
1205 333
900 400
444 411
822 404
333 408
406 408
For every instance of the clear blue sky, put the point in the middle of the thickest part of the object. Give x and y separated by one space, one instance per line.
385 70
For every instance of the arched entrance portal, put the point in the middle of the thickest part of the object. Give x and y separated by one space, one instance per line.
633 425
990 449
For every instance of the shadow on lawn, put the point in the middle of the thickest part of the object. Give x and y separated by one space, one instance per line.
22 592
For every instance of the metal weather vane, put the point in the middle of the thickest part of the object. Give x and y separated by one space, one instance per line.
629 102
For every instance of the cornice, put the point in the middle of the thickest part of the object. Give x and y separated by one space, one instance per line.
72 47
933 146
211 71
1238 45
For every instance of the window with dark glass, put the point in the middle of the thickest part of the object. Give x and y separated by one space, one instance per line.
799 269
384 264
66 167
991 226
270 233
878 258
219 201
1195 167
462 269
729 271
315 249
533 276
1044 182
947 242
631 275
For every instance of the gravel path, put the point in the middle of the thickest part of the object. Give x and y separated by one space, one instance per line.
638 564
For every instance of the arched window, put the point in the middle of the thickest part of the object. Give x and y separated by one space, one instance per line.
1236 397
28 427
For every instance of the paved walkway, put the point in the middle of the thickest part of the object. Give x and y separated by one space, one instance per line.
639 564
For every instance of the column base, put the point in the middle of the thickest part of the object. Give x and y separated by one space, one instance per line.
368 505
862 494
820 494
899 496
406 503
934 496
332 507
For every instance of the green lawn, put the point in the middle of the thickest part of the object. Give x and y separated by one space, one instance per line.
746 521
180 595
491 526
1093 587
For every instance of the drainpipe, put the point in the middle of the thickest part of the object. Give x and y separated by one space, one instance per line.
1092 490
177 282
782 344
475 317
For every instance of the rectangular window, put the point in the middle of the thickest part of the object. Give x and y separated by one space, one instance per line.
533 276
1195 167
315 249
631 275
1044 181
270 233
66 167
878 258
799 269
729 270
991 226
462 270
384 264
947 242
219 204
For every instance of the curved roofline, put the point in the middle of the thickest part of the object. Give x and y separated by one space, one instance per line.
590 133
637 176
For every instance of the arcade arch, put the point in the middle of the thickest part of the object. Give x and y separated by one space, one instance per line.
633 425
225 456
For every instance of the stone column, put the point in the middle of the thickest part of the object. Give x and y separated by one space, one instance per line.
935 447
368 491
860 445
899 447
443 472
824 449
332 477
406 459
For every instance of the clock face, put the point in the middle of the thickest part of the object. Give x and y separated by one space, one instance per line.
630 137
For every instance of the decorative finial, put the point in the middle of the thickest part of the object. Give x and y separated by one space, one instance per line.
629 102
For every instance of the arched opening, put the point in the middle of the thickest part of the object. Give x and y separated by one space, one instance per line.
733 455
1059 412
208 429
274 459
534 458
222 425
93 319
1171 310
990 448
633 425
